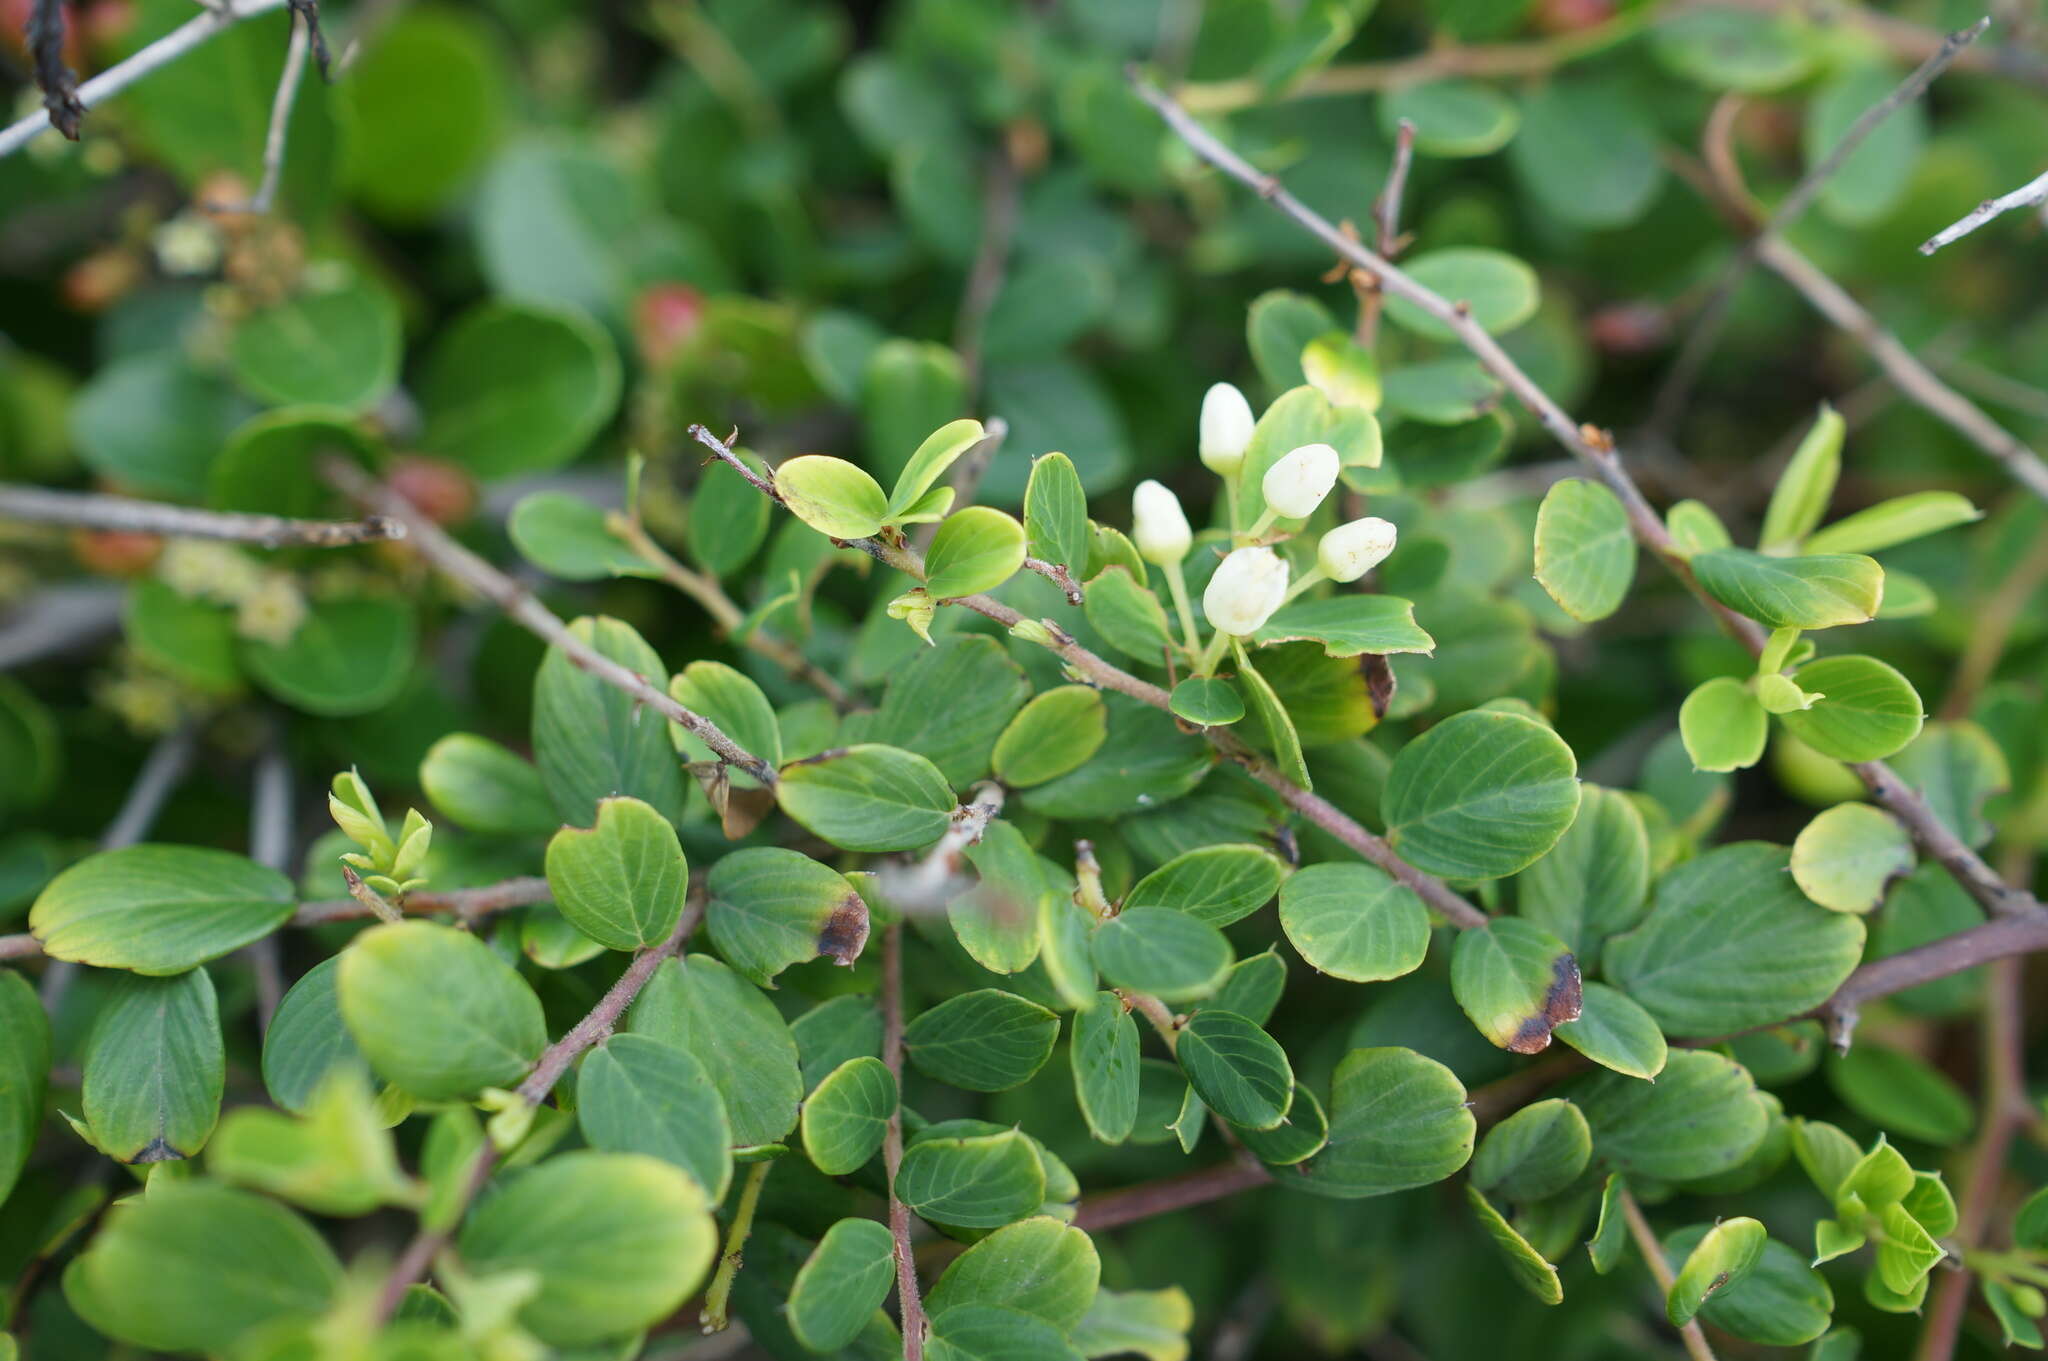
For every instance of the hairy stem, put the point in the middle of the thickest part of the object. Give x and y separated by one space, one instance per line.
719 1294
908 1303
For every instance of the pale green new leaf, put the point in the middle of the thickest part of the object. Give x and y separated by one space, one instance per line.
1801 497
1723 726
1616 1033
1803 593
1890 523
975 550
436 1012
832 496
1849 855
620 882
1868 711
1055 733
1585 552
929 463
158 909
1723 1256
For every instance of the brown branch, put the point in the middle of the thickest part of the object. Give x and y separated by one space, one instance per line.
1660 1267
1109 676
92 510
2005 1111
1386 216
1112 1209
1692 357
908 1303
554 1061
991 257
1596 450
304 38
515 600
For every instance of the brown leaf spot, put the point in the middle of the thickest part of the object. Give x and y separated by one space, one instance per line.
845 933
156 1151
1379 682
1560 1004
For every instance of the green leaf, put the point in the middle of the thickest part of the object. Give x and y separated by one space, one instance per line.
1783 1302
1586 153
832 496
1801 497
637 1094
1499 291
338 1160
1726 48
25 1074
1105 1065
1066 932
1163 951
1901 1094
1534 1153
1585 551
1152 1324
1056 513
1731 943
1037 1266
1863 189
1867 710
1931 1204
1480 795
1055 733
517 388
193 640
195 1267
338 348
1616 1033
1516 982
158 909
1724 1255
1525 1264
1596 880
479 785
154 1068
436 1012
1451 117
1890 523
1272 721
2007 1306
1610 1235
1696 528
976 1181
1848 856
728 1025
842 1283
1239 1071
997 920
1802 593
868 797
271 464
1354 922
588 739
771 908
1702 1115
975 550
1128 615
153 423
617 1242
567 536
307 1038
621 882
1216 884
1955 767
728 519
349 656
983 1041
845 1118
1347 625
1147 761
1723 726
1207 701
846 1027
979 1332
1905 1251
398 175
1397 1120
929 463
1301 416
949 705
1278 327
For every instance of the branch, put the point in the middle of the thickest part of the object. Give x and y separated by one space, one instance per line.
2001 938
162 52
1677 387
2026 196
991 257
59 618
1595 449
305 34
45 36
1113 1209
515 600
1653 1253
554 1061
1108 676
908 1303
1386 216
93 510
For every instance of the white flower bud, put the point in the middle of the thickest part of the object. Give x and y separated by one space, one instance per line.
1159 527
1348 552
1226 429
1248 586
1297 484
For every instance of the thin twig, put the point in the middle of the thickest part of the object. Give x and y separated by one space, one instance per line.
57 619
991 259
1109 676
1130 1204
2028 195
1386 216
1594 448
909 1304
1653 1254
2005 1110
468 904
515 600
554 1061
160 53
296 53
1692 357
94 510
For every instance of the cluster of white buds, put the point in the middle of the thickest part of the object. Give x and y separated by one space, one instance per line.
1248 586
1351 550
1159 526
1226 429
